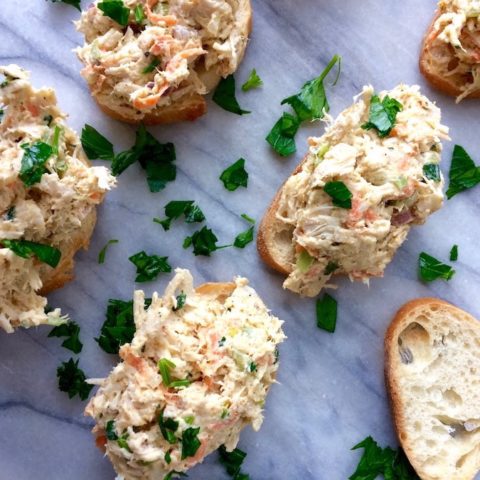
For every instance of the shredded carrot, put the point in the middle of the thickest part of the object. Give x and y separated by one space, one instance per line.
146 102
33 109
101 442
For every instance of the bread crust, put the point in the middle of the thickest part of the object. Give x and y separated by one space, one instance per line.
189 108
433 76
401 320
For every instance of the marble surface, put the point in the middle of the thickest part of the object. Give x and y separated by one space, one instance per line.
331 392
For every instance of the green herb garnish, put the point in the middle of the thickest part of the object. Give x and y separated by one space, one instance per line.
431 269
304 261
232 461
152 66
464 174
190 442
139 13
181 299
432 172
168 427
330 268
375 461
110 431
168 458
10 214
244 238
71 330
73 3
189 419
71 379
25 249
340 194
116 10
253 81
235 176
33 162
103 251
327 313
382 115
177 208
95 144
282 135
164 367
149 266
454 253
311 102
204 242
224 96
252 367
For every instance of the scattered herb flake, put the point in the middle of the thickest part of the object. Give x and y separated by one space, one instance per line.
327 313
139 13
232 461
116 10
282 135
235 176
224 96
244 238
71 330
181 299
190 442
253 81
164 367
252 367
247 218
152 66
454 253
340 194
176 208
204 242
382 115
103 251
432 172
71 379
464 174
33 162
168 458
110 430
149 266
10 214
95 145
431 269
25 249
168 427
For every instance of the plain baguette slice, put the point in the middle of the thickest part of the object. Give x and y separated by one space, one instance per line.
432 372
430 69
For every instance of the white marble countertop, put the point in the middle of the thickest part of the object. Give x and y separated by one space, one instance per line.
331 393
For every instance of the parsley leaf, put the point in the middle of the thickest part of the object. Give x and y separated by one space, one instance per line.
244 238
33 162
151 66
340 194
119 325
375 461
235 176
103 251
282 135
382 115
149 266
224 96
190 442
176 208
70 330
71 379
431 269
204 242
95 144
311 102
327 313
73 3
432 171
181 298
168 427
454 253
232 461
110 431
464 174
253 81
116 10
164 367
331 267
25 249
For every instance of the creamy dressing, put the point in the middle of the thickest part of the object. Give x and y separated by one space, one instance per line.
224 343
48 212
385 176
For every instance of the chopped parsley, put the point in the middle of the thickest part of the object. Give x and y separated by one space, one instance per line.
25 249
164 367
71 379
190 442
33 162
431 269
180 299
189 419
327 313
149 266
152 66
375 461
110 431
10 214
252 367
432 171
246 237
204 242
235 176
139 13
232 461
282 135
454 253
48 119
168 458
95 145
224 96
73 3
116 10
177 208
103 251
382 115
253 81
330 268
71 330
119 325
168 427
464 174
311 102
340 194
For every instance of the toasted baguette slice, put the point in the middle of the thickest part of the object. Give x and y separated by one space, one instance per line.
432 367
437 59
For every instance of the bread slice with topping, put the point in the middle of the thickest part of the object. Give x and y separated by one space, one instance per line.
158 65
449 58
432 372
